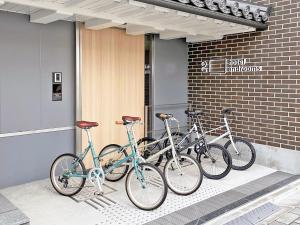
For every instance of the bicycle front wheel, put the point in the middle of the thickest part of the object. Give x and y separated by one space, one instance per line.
215 161
67 174
108 156
184 178
146 186
246 155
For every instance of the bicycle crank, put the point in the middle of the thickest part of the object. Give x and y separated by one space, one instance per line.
96 177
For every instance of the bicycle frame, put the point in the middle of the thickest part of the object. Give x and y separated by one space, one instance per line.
170 147
84 154
226 134
134 154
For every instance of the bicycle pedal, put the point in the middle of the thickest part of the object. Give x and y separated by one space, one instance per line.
98 193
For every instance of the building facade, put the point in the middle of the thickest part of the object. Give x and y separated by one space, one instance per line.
267 102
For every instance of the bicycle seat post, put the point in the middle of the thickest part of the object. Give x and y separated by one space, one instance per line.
88 133
200 125
169 135
131 137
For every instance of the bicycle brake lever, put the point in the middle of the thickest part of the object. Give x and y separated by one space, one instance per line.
173 118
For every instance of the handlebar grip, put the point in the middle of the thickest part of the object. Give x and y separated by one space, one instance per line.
119 122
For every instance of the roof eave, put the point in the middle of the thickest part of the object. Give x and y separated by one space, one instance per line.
205 12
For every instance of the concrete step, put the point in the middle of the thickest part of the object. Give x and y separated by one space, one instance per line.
10 214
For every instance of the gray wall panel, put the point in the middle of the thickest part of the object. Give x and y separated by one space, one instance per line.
20 79
29 53
27 158
58 55
170 78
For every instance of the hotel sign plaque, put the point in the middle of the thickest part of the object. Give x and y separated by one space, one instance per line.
219 66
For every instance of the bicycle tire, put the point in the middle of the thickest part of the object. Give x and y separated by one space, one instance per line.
53 177
107 177
167 143
251 149
150 152
185 158
130 192
224 156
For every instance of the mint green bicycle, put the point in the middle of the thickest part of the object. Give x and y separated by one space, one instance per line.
145 184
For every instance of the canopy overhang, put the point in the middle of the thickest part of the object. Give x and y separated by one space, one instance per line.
194 20
225 10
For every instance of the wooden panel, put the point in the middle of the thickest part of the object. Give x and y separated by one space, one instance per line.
112 83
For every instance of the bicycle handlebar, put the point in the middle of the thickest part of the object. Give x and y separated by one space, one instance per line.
227 111
124 123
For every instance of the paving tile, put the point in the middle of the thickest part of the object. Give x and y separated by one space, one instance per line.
177 219
6 205
276 223
192 223
287 218
14 217
296 211
239 221
258 214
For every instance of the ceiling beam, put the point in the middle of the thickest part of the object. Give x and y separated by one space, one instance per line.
133 29
45 16
98 24
201 38
76 3
107 5
170 34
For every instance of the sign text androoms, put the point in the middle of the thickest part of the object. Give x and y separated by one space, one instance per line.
228 65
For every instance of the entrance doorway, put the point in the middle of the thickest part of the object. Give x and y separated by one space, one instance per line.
166 69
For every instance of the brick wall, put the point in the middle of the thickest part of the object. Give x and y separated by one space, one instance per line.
267 102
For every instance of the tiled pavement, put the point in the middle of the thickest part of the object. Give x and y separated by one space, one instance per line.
214 198
210 208
281 207
290 211
10 215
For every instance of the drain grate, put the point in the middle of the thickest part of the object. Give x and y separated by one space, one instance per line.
256 215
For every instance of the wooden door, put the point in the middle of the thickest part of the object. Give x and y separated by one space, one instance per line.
112 83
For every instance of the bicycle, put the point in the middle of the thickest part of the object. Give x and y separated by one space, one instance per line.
68 173
242 151
214 159
182 172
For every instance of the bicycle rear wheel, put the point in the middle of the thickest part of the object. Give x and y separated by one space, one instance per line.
178 138
150 150
146 186
246 155
215 161
186 179
66 174
108 156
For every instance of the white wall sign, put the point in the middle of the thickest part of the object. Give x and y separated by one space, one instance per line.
228 66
